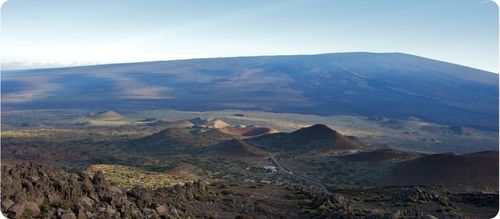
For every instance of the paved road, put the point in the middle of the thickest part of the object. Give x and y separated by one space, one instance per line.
289 171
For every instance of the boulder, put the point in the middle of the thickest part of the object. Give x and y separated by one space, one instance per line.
16 210
396 215
7 203
81 214
68 216
162 210
32 209
115 190
86 201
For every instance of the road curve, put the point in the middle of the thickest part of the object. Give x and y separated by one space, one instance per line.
289 171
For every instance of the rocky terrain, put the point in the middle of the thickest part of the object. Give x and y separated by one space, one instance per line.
30 190
213 168
36 191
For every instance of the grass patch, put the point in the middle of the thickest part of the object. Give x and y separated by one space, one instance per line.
127 177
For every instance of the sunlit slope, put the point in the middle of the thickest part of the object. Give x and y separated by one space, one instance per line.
393 85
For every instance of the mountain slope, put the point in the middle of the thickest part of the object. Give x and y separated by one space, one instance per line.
318 138
381 155
165 124
178 140
393 85
249 131
475 170
236 149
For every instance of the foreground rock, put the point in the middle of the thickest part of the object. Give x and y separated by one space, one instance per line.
36 191
30 190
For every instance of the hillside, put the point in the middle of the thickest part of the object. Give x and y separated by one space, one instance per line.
236 149
178 140
35 191
209 123
475 170
319 138
106 115
165 124
249 131
392 85
102 118
381 155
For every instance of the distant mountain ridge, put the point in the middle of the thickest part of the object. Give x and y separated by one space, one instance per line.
392 85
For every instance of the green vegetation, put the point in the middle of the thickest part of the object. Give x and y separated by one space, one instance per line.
127 177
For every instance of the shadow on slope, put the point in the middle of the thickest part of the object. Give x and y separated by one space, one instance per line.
476 170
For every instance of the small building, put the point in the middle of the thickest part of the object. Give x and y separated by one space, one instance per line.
272 169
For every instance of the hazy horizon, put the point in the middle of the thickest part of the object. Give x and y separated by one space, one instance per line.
35 66
60 33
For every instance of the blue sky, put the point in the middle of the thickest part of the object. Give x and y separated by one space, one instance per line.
35 32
